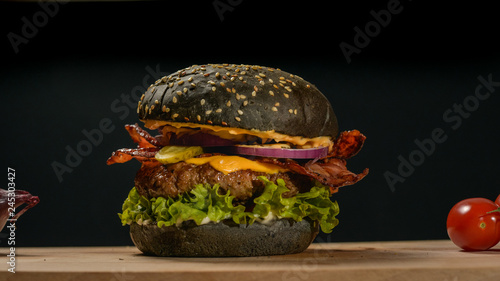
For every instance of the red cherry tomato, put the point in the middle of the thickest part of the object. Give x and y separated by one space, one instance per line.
472 225
498 201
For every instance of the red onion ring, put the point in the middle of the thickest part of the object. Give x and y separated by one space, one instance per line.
208 140
306 153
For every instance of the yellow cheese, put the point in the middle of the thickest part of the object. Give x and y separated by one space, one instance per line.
229 164
237 134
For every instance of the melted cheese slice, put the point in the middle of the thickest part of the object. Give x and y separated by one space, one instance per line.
229 164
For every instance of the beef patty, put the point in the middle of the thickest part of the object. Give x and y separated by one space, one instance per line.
175 179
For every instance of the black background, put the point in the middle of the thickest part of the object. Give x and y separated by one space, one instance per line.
395 90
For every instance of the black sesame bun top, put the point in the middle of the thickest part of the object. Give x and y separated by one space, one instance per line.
240 96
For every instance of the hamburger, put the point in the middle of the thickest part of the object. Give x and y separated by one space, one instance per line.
244 162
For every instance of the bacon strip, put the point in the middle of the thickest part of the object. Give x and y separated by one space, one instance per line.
143 154
141 136
147 146
331 172
348 144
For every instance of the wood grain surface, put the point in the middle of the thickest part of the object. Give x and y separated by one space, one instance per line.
406 260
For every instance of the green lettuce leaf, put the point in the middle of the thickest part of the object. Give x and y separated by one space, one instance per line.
204 204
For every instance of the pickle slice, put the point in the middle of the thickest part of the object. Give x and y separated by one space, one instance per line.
173 154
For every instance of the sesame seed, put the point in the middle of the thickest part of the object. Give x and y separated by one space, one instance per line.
241 78
217 75
255 88
190 79
262 82
237 118
180 82
271 93
142 97
185 90
202 102
224 123
219 110
210 122
286 95
193 85
243 97
254 94
245 103
234 90
178 93
157 102
175 115
290 111
187 119
277 104
275 86
295 112
167 109
228 90
223 84
171 84
213 89
308 86
240 112
271 80
174 100
282 78
198 117
262 75
238 96
274 108
211 83
228 104
208 112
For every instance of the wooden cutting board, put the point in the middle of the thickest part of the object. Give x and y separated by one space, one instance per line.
409 260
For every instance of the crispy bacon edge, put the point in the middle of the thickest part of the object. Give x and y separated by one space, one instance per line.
330 171
147 146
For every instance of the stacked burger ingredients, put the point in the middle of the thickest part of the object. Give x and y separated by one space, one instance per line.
244 163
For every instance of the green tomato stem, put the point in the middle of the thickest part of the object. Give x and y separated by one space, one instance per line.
494 211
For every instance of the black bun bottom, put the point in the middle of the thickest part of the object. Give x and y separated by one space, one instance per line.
225 239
